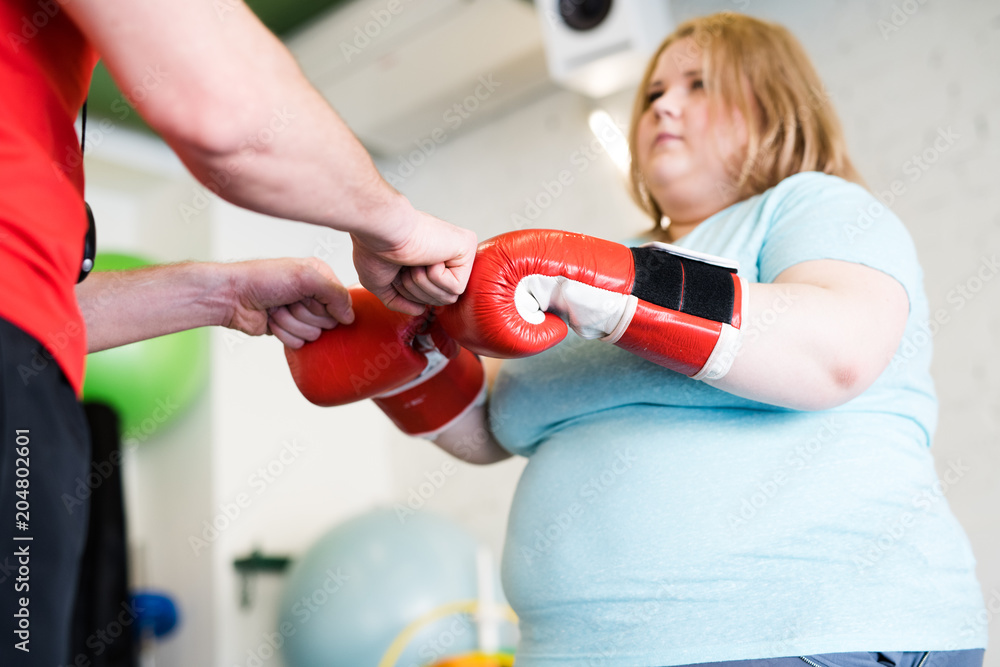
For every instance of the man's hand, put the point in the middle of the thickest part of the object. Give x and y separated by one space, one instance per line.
430 264
293 299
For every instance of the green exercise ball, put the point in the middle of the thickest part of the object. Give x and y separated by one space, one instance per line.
149 383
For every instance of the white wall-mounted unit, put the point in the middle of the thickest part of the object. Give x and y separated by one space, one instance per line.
598 47
404 72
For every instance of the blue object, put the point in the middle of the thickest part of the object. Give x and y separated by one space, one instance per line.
155 612
366 580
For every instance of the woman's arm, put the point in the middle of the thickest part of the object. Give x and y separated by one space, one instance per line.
469 439
818 336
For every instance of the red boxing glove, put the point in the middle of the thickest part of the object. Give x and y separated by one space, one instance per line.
437 397
675 307
418 375
352 362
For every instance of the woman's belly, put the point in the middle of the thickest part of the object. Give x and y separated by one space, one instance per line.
699 526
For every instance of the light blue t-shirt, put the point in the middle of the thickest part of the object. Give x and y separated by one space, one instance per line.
661 521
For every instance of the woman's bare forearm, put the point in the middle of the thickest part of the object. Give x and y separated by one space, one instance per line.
470 439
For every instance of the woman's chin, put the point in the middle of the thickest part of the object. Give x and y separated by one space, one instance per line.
667 184
665 170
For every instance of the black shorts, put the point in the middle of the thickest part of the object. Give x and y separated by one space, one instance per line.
44 453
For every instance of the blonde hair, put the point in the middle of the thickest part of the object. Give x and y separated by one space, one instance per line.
796 130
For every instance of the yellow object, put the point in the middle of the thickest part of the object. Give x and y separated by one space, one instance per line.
478 660
468 607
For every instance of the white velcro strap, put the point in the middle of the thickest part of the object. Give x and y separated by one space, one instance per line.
589 311
724 262
727 348
436 363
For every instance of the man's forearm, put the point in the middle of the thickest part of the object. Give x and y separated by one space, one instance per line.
230 99
121 307
276 146
297 160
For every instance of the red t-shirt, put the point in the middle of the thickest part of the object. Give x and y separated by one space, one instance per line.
45 70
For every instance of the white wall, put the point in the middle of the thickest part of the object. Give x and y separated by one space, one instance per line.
339 462
894 92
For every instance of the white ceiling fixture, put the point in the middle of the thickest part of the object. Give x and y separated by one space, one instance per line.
402 73
598 47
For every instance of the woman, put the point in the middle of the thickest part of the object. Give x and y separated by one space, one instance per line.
790 508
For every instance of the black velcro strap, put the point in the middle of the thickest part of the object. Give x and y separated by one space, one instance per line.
691 286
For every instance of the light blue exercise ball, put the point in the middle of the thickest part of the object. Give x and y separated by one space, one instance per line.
367 580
